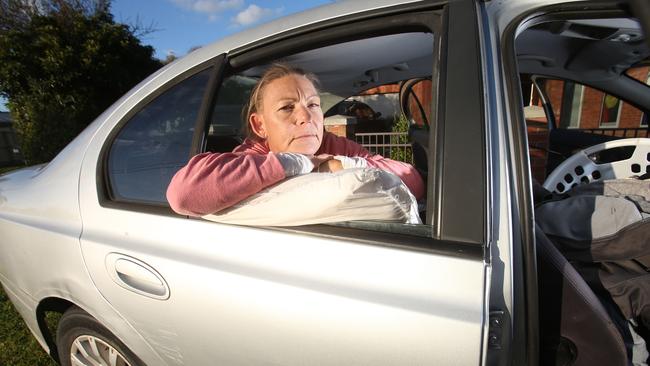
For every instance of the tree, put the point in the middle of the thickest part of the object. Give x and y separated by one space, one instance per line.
63 62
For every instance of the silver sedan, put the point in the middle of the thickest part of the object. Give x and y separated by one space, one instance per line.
91 235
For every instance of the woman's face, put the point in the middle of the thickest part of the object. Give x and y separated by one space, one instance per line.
290 118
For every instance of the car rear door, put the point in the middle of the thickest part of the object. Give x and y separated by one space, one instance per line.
204 293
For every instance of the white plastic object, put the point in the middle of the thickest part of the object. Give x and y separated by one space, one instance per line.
315 198
580 169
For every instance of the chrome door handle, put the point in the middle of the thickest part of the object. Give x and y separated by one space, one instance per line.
136 276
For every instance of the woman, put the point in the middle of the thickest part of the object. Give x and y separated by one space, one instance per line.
284 124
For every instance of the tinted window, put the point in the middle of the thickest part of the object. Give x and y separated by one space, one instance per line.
226 130
155 143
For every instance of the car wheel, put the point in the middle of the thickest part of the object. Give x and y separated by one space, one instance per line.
83 341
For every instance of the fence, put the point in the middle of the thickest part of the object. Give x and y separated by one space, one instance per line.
619 132
394 145
397 146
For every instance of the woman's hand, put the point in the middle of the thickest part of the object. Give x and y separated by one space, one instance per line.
330 166
326 163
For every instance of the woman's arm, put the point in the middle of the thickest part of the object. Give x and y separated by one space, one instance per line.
211 182
406 172
337 145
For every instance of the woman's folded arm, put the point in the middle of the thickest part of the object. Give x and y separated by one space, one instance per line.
211 182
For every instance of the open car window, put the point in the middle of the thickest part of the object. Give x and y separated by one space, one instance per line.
578 106
370 115
587 115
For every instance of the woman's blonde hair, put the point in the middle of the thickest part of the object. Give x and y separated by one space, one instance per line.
276 71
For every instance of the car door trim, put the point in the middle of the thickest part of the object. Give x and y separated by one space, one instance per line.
204 117
393 240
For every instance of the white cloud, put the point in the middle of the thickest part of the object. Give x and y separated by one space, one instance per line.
254 14
210 7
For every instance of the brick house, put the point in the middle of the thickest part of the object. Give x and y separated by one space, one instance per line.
575 106
581 107
384 99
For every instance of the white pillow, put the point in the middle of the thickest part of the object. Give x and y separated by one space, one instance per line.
315 198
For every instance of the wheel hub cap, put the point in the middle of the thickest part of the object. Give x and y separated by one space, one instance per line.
92 351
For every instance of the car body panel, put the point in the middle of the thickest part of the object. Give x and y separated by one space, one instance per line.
241 295
40 236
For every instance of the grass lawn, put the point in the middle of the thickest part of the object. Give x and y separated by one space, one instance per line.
17 345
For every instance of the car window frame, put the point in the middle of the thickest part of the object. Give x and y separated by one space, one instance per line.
322 37
104 191
355 29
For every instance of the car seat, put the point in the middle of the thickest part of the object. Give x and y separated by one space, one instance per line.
575 327
217 143
413 96
419 140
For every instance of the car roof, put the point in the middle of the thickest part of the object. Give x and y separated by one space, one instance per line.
503 11
582 49
592 52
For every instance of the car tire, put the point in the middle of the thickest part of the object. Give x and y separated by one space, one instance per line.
83 339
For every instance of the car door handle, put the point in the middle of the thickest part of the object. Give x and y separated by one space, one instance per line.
136 276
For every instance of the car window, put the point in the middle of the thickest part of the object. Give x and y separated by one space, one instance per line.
371 114
577 107
155 143
582 107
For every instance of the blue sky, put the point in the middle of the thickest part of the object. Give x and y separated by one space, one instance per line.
182 24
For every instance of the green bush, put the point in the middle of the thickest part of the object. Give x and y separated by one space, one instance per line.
405 154
61 64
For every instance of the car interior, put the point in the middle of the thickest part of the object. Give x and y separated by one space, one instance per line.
579 323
